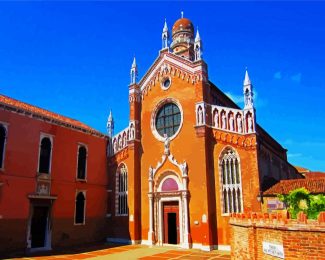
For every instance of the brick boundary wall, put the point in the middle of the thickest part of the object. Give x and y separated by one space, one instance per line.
299 238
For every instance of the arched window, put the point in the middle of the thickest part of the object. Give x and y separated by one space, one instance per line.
121 191
45 155
80 209
3 134
231 182
82 160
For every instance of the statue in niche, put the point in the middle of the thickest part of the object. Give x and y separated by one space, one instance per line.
239 124
231 123
216 119
224 120
150 173
250 123
120 145
124 139
42 189
166 144
115 146
132 132
200 116
184 168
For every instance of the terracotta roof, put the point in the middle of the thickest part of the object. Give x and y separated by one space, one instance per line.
43 114
313 185
313 175
301 169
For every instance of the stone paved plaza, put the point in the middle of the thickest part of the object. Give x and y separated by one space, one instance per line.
136 252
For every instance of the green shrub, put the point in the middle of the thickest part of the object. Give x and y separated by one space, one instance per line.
301 200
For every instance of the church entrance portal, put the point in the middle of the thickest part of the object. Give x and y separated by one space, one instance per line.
39 225
171 222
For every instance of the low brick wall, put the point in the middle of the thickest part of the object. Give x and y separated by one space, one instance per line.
274 236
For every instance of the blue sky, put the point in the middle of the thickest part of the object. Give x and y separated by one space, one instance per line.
74 58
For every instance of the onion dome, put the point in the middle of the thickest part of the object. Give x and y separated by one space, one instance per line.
183 24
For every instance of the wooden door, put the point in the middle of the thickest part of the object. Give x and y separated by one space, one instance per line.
171 222
39 226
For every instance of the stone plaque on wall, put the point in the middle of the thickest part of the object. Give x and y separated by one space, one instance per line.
273 249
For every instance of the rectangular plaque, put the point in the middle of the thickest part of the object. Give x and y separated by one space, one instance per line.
273 249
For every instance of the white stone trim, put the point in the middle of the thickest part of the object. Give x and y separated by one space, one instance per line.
158 106
224 247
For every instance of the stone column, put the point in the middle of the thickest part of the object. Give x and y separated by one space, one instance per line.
151 234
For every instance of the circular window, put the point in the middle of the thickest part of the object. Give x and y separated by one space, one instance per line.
168 119
165 83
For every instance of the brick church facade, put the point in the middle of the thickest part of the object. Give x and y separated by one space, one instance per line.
188 159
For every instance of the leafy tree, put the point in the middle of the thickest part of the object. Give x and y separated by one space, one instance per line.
301 200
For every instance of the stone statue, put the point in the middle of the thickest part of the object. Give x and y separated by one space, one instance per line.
216 119
239 124
250 123
200 116
231 123
224 120
132 132
166 144
150 173
184 168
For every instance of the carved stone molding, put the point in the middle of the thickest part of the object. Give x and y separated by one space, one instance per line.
248 141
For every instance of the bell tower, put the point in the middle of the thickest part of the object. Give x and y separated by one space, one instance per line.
183 38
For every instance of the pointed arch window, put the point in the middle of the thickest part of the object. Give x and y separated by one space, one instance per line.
82 162
231 182
121 191
3 137
45 155
80 208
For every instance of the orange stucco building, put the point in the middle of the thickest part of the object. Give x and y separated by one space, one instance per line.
188 159
190 154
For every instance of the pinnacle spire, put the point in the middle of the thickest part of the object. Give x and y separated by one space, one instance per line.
182 14
110 124
197 37
247 81
165 26
134 63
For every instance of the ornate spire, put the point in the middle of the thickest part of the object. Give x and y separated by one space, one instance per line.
247 81
110 124
197 46
197 37
134 72
248 92
165 36
182 14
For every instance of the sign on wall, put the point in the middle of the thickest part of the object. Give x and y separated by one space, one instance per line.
273 249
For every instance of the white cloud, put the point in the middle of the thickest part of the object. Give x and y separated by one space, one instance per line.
296 77
277 75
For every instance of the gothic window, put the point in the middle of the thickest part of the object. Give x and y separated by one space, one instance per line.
168 119
3 134
82 162
45 155
231 182
80 209
121 191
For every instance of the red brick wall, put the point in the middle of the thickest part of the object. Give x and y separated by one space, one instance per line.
301 239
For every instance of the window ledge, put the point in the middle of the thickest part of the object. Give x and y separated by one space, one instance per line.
79 224
81 180
122 215
225 215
